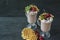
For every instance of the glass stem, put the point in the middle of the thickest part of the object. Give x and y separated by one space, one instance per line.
46 34
33 26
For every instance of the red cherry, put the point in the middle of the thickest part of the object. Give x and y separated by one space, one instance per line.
41 38
33 9
48 15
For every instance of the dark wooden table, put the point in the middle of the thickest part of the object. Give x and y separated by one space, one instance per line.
11 27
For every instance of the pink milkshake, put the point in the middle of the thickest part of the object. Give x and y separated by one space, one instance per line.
46 21
31 13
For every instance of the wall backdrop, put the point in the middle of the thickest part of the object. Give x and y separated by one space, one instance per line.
15 8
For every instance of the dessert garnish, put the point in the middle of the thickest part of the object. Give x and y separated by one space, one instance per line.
45 16
31 8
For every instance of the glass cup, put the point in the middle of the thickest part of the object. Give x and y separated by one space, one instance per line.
31 19
45 28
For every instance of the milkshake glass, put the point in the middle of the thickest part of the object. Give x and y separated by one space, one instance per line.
31 19
31 14
45 22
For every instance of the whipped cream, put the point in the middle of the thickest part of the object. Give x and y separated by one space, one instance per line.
32 13
47 21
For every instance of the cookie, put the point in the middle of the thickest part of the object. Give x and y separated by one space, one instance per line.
27 33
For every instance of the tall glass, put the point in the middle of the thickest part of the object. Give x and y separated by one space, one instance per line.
45 28
31 19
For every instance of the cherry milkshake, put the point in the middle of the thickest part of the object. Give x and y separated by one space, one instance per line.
31 14
46 21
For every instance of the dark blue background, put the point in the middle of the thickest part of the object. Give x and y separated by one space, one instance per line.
16 7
